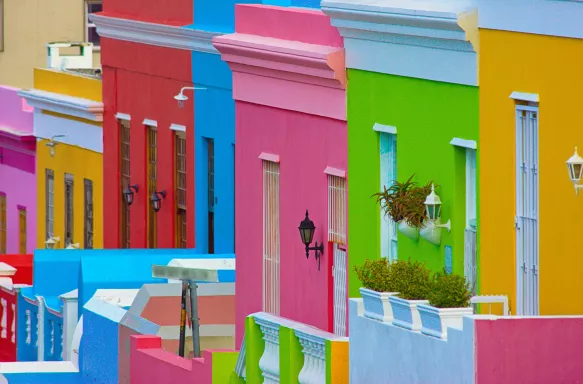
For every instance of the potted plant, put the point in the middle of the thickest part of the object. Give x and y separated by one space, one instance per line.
376 289
449 302
413 282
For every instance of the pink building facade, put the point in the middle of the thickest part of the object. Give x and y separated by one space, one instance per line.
291 156
17 174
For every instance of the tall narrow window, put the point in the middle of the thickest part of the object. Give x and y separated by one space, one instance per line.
91 36
388 176
152 185
124 165
21 230
69 216
49 203
88 229
2 223
337 236
470 230
180 169
271 252
211 195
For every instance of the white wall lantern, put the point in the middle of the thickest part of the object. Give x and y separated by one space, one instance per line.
575 166
431 230
52 242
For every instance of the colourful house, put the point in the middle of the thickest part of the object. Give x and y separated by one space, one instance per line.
406 117
529 210
67 123
148 139
23 48
289 91
17 175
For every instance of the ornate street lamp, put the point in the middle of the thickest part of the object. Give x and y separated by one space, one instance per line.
307 229
433 210
575 166
128 193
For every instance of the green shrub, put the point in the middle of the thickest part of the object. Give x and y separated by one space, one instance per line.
375 275
411 279
450 291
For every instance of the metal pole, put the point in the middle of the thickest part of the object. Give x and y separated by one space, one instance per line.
194 319
183 320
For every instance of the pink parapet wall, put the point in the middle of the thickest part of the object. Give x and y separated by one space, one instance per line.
529 350
17 168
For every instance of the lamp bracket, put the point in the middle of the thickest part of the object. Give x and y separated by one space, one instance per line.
577 188
446 225
319 250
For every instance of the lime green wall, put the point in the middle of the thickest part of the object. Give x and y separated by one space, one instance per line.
427 115
223 365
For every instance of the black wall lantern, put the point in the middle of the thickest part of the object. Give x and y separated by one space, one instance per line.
307 229
156 200
128 193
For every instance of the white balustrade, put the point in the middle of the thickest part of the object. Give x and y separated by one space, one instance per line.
38 320
62 338
269 362
28 327
13 327
52 326
314 349
4 319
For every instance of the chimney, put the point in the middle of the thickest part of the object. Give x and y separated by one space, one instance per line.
58 60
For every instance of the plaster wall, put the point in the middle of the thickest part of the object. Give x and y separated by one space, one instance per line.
544 65
141 81
427 115
13 113
25 46
180 13
408 357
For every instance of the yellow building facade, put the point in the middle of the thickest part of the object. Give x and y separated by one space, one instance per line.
69 161
26 27
530 217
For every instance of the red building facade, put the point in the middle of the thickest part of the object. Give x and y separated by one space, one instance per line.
147 139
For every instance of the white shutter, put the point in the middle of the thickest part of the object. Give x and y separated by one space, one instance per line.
336 209
271 237
340 290
470 231
388 169
527 226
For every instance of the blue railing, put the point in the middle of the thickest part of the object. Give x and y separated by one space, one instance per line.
53 334
27 330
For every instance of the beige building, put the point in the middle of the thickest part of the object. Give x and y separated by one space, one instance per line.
26 26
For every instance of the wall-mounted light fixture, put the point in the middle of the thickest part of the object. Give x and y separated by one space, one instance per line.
52 143
128 193
575 166
52 242
181 97
73 246
307 229
156 200
430 231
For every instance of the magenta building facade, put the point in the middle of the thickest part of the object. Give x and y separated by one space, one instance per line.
291 156
18 194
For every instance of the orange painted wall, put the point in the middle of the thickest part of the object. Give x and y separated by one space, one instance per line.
551 67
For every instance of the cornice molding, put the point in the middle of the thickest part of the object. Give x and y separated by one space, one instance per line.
430 43
63 104
283 59
169 36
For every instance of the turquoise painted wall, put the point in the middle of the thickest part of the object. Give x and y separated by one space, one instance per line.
427 115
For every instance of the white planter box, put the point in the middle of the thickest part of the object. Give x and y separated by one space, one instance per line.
376 304
405 313
407 230
435 321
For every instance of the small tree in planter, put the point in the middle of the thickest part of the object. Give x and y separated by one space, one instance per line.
449 302
376 289
413 281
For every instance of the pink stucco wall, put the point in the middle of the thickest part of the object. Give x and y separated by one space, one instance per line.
529 350
17 167
306 145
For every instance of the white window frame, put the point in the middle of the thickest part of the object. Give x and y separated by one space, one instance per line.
336 209
89 24
271 238
471 188
388 171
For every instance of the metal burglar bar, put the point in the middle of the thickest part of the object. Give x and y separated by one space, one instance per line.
68 209
180 148
152 181
49 203
88 189
527 226
388 166
2 224
470 231
271 237
22 229
124 164
337 236
211 195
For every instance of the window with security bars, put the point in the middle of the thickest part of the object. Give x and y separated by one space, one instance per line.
88 230
124 164
336 209
152 184
69 215
271 249
180 169
22 230
2 223
49 203
388 177
211 195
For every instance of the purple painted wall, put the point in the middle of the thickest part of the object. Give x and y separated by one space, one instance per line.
17 167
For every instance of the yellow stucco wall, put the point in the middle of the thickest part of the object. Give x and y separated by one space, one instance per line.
550 67
80 162
28 26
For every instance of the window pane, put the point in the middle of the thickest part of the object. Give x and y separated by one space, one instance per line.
93 37
94 7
